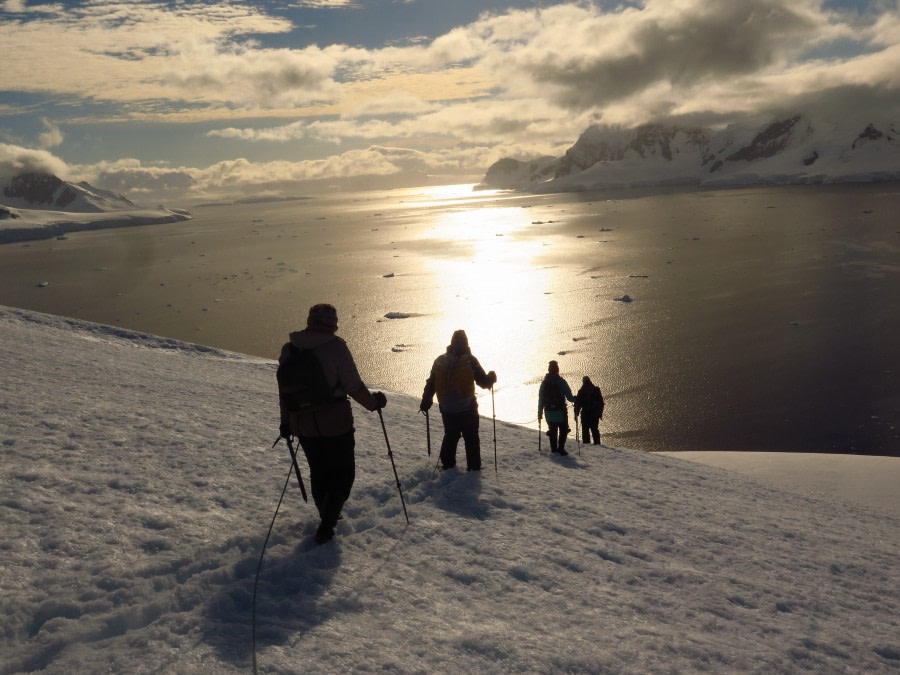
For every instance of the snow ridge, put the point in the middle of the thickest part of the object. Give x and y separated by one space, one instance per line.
138 487
793 150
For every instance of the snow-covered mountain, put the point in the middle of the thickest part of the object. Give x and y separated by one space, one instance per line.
48 192
794 150
40 206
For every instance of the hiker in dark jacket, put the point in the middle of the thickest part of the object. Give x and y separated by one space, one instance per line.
453 377
589 402
326 431
552 397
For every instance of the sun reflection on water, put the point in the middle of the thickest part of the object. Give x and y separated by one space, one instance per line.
495 291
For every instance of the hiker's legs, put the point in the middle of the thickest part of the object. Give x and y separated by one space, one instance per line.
563 432
553 433
332 470
342 473
316 457
452 433
469 429
590 429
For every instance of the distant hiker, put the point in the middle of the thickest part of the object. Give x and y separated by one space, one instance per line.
589 402
453 378
552 397
323 421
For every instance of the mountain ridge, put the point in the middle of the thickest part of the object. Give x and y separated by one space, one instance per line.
32 190
790 150
36 205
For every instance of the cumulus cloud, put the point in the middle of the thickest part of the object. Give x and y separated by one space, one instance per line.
147 183
520 82
680 43
254 77
15 160
678 59
645 62
370 166
51 136
577 56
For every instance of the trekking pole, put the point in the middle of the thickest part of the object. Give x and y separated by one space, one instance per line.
577 436
391 455
294 462
539 434
435 469
263 553
494 414
427 431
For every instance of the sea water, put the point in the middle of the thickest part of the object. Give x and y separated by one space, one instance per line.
761 318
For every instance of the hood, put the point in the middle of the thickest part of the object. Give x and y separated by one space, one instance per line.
310 339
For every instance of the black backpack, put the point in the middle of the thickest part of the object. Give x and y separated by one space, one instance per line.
553 396
301 381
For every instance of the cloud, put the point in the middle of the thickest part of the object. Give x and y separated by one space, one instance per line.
254 77
129 51
395 102
15 160
491 122
52 136
327 4
222 180
521 82
640 60
21 6
582 58
140 183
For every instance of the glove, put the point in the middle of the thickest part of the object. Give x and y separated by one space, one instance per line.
380 400
285 430
492 376
425 405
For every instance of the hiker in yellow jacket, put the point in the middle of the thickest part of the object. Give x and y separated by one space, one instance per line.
453 377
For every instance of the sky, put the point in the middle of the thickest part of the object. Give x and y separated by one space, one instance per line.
140 482
174 100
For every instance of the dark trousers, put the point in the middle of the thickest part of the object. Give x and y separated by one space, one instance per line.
332 469
590 427
462 424
557 432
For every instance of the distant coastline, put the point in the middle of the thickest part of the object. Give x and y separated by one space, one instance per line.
252 200
20 225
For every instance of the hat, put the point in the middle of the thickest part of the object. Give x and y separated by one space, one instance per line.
323 316
586 380
553 367
460 341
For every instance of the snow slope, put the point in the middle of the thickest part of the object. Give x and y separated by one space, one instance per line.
139 482
31 224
